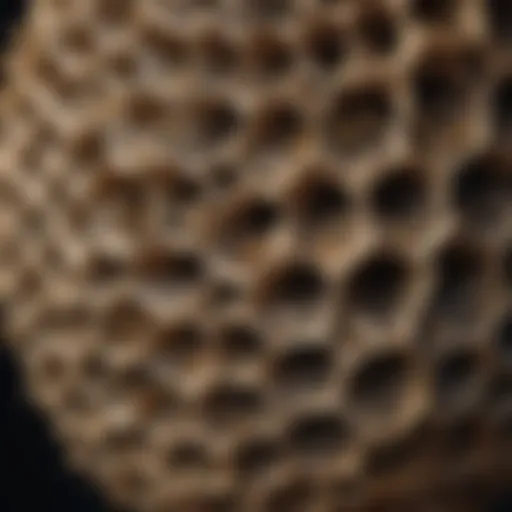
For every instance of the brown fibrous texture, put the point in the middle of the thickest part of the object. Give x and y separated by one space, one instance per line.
257 255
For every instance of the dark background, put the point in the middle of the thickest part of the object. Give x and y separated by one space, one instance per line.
32 474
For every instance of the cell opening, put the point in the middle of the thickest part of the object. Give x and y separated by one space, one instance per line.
378 31
270 56
255 456
319 201
303 367
227 403
250 220
482 191
320 434
239 341
456 377
380 382
399 195
326 46
433 10
377 285
459 272
278 127
295 284
215 122
359 118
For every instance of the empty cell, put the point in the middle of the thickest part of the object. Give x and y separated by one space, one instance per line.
167 49
443 79
358 119
457 378
459 269
230 402
303 367
380 382
278 127
250 220
240 341
168 270
187 454
295 284
270 56
181 342
433 10
377 30
377 285
399 195
214 122
317 434
482 191
319 200
255 456
217 54
326 46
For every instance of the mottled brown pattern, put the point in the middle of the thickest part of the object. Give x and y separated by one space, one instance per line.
257 254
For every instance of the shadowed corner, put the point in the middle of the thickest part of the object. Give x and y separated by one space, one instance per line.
503 503
31 465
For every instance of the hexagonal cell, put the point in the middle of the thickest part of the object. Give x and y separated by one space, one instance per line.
318 434
256 454
377 285
303 367
167 49
325 45
181 342
482 190
457 379
399 195
270 56
443 79
238 340
217 54
187 454
295 284
228 403
460 269
213 122
380 382
358 118
318 200
169 270
378 29
278 127
249 219
434 10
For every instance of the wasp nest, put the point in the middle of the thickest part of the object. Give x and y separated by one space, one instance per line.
257 255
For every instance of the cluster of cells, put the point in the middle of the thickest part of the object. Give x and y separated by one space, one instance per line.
257 255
